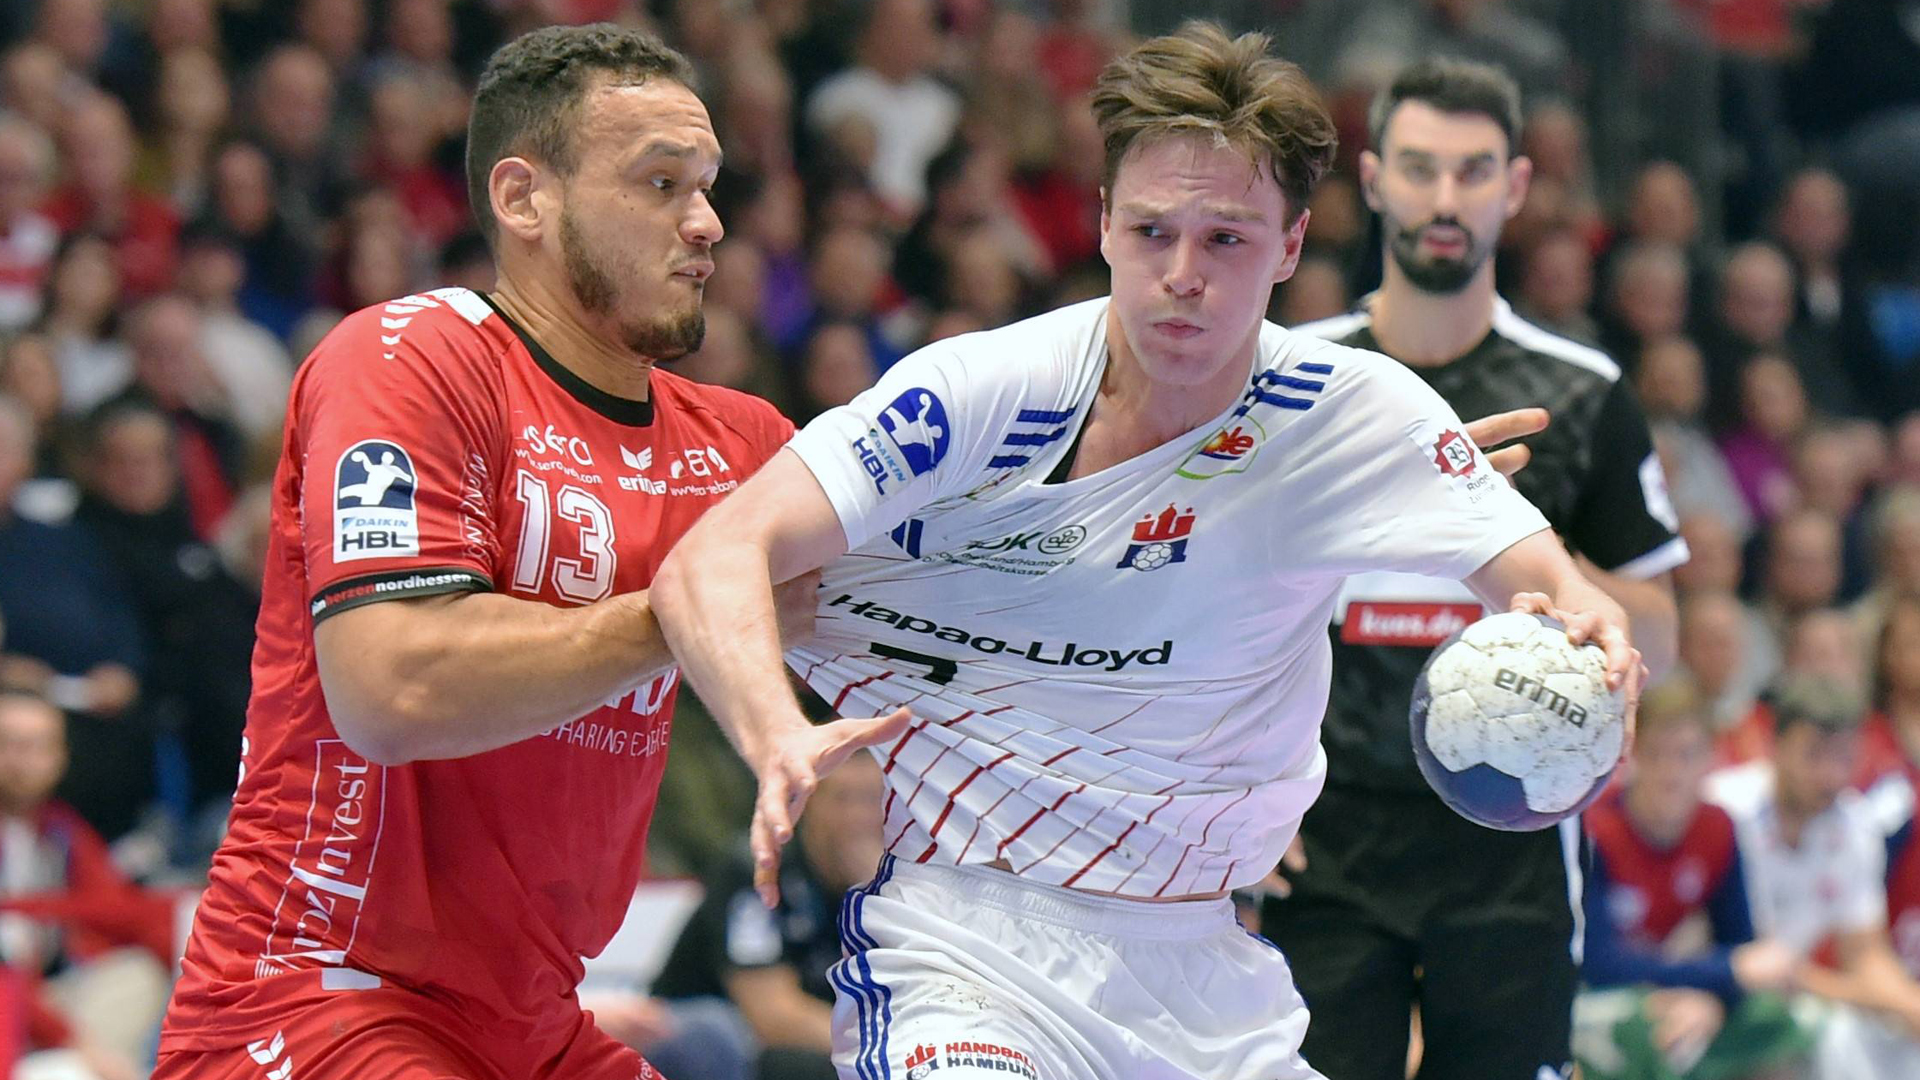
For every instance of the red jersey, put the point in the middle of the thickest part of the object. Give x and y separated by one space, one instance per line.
1653 889
432 447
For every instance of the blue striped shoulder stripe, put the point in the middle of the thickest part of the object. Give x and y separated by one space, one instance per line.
1041 428
1267 386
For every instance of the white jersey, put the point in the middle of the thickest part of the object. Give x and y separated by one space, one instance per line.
1118 680
1833 882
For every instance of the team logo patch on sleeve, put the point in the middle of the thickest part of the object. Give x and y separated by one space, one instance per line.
916 422
1450 452
373 509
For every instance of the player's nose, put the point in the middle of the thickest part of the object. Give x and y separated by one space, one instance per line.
701 226
1183 277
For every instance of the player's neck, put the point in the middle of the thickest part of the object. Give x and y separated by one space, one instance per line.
1425 329
1144 413
550 320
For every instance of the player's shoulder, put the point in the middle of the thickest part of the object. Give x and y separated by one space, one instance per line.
1576 359
1045 347
439 331
1347 370
751 417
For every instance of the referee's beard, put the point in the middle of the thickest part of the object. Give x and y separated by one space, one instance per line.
668 336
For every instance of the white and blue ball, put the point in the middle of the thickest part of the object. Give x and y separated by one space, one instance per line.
1513 725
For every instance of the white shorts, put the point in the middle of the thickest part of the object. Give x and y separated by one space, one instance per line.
963 973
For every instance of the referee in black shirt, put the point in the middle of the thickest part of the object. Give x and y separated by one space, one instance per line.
1400 901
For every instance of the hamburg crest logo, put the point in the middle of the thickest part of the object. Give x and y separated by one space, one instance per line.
1453 454
1158 540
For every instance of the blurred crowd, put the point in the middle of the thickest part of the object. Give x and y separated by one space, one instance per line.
192 193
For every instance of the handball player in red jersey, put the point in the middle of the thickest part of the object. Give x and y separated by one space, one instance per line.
460 697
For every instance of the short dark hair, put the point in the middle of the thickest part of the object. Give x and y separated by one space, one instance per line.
1823 704
1200 81
1452 86
529 96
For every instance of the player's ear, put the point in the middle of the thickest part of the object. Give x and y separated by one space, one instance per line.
1369 178
519 205
1519 179
1291 244
1106 222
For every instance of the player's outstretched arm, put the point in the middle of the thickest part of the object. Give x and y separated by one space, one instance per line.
1536 574
714 600
455 675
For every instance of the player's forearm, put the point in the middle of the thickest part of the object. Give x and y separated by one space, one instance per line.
1652 617
1539 564
448 677
714 600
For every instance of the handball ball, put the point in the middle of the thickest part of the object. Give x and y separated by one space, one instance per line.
1513 725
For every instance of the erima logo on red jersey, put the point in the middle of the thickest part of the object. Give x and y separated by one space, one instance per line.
1158 541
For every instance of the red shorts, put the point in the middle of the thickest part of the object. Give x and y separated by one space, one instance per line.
397 1034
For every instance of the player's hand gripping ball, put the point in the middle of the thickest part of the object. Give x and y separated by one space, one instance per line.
1513 725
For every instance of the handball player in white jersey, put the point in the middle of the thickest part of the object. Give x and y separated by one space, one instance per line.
1077 574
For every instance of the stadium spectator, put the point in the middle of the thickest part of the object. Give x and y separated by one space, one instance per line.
90 947
30 375
1890 739
197 621
250 362
1819 881
1772 414
770 967
1647 297
27 237
1830 475
837 365
193 105
1673 389
1317 290
79 316
1799 573
1895 535
848 279
292 98
72 638
1679 985
173 375
280 259
97 195
891 90
1714 651
1813 223
32 82
1556 285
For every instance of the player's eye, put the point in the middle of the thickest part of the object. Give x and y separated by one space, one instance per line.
1417 172
1227 239
1151 232
664 182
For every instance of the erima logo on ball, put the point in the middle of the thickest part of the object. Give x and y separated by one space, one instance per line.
373 508
1536 691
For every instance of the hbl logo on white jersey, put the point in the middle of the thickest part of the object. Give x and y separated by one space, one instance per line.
1158 541
373 510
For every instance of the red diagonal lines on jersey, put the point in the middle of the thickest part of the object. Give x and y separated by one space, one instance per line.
1038 814
934 833
1104 852
857 684
1129 715
1203 839
807 678
908 807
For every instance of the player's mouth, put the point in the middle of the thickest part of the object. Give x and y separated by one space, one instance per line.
1178 329
1444 241
699 270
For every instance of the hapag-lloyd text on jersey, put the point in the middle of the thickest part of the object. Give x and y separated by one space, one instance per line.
1039 652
